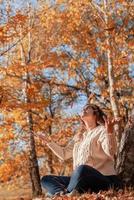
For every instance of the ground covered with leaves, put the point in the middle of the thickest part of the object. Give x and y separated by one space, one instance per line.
22 191
126 194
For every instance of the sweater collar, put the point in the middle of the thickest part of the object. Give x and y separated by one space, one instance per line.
92 130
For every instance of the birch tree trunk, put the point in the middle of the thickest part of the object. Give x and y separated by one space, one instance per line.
113 98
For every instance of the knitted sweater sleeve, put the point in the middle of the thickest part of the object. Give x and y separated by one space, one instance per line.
108 142
64 153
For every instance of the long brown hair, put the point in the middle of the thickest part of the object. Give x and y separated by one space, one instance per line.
96 111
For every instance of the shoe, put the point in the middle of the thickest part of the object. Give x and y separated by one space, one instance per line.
59 193
74 192
48 194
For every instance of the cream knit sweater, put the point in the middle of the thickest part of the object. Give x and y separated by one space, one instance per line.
96 148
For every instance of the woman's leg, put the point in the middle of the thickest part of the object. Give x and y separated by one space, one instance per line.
86 178
54 183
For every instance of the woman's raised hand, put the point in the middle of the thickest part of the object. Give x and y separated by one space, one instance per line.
110 122
43 138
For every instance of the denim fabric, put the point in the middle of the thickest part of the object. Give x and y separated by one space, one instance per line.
84 178
55 183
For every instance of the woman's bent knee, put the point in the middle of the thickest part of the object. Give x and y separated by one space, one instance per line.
82 168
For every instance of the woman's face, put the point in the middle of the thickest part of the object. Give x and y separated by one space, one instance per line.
88 116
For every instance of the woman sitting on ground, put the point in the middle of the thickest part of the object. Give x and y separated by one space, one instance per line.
93 157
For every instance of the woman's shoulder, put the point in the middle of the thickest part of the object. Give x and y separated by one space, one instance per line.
102 132
102 128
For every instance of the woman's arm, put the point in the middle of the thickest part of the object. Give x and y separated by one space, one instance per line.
108 137
108 142
64 153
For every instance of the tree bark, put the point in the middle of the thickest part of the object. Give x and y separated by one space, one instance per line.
125 156
113 98
33 161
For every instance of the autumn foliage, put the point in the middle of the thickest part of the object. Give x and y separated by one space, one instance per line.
55 57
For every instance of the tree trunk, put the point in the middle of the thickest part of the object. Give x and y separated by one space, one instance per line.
33 162
113 98
125 156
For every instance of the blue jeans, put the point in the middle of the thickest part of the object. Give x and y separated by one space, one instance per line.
84 178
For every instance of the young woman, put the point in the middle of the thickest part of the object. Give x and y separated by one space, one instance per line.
93 157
